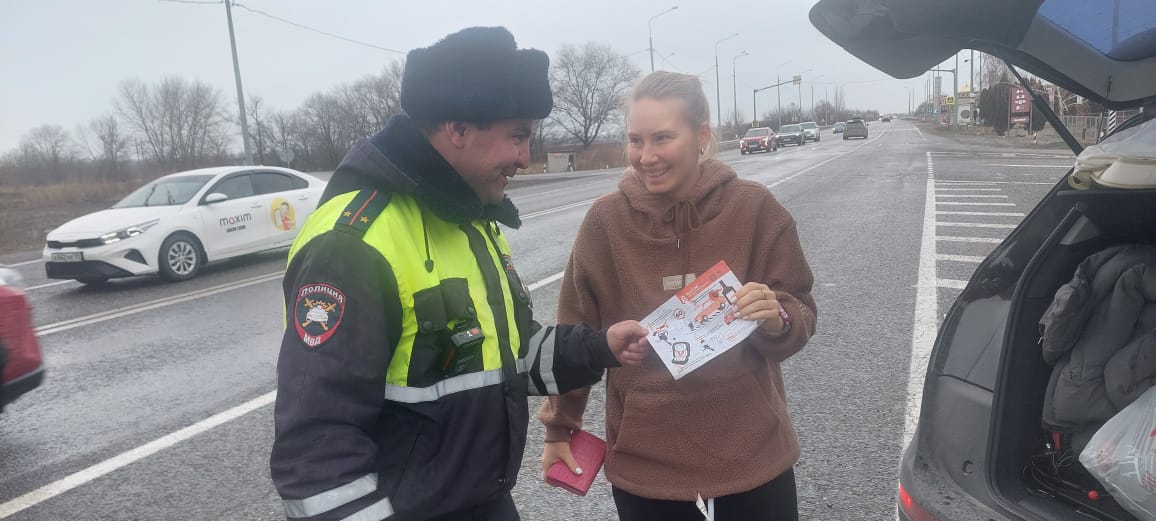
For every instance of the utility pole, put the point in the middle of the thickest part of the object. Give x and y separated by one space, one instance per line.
955 91
735 85
717 89
778 94
240 91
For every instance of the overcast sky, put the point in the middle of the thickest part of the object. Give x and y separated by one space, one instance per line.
62 60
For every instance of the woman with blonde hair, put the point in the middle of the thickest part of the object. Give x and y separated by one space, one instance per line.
722 431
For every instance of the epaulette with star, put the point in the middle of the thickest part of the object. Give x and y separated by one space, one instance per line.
361 211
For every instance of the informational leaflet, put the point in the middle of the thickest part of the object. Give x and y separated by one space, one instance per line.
698 323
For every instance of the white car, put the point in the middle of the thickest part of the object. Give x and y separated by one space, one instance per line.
175 225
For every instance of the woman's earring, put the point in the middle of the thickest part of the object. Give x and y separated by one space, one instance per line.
702 151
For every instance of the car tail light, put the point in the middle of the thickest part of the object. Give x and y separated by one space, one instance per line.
911 508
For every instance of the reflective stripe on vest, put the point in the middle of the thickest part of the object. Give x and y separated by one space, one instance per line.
398 234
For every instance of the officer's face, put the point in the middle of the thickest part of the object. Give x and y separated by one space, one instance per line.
490 156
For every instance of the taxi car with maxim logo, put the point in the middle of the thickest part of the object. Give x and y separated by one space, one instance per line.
174 225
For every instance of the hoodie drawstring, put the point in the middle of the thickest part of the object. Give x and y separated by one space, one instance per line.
685 218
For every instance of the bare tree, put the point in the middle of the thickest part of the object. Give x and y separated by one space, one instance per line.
258 128
51 148
181 124
287 135
372 100
325 129
113 145
589 84
44 156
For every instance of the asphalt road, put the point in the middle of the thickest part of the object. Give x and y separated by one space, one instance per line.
157 398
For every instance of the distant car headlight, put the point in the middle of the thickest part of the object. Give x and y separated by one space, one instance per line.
127 233
11 278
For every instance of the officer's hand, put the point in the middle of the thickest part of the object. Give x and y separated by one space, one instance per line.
628 342
558 450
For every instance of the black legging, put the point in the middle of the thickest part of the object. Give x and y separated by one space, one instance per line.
774 501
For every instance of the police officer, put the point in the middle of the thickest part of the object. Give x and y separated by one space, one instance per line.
409 345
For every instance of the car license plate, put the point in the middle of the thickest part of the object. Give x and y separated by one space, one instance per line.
75 256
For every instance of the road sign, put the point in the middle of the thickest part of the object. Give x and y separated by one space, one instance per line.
797 79
951 100
286 155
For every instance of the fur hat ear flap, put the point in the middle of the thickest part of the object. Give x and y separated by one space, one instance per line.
476 75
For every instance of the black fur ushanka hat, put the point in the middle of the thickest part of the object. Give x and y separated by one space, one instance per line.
477 75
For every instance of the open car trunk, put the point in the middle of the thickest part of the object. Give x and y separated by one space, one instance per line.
1030 470
1104 51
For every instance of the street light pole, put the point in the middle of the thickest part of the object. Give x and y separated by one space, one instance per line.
813 95
717 91
650 34
778 93
240 91
955 90
735 85
800 94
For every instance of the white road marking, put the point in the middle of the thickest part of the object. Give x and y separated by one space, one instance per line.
18 264
951 283
926 322
993 214
968 190
972 240
114 463
49 285
546 281
971 196
978 225
1030 166
828 160
564 207
124 459
956 183
959 258
94 318
952 203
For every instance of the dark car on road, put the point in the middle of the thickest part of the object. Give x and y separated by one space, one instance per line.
761 138
793 134
20 361
855 128
985 446
838 128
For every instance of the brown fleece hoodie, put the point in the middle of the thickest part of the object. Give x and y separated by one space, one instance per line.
722 429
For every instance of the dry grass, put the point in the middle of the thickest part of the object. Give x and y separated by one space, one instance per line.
28 213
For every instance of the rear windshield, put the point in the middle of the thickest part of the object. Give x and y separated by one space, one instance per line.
789 128
758 132
855 123
1122 29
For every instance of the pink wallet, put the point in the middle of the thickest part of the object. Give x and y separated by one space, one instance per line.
589 451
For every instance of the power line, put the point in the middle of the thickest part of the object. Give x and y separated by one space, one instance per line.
306 27
290 22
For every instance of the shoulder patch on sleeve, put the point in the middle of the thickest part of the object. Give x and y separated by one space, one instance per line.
317 313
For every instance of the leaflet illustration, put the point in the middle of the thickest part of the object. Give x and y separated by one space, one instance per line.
698 323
